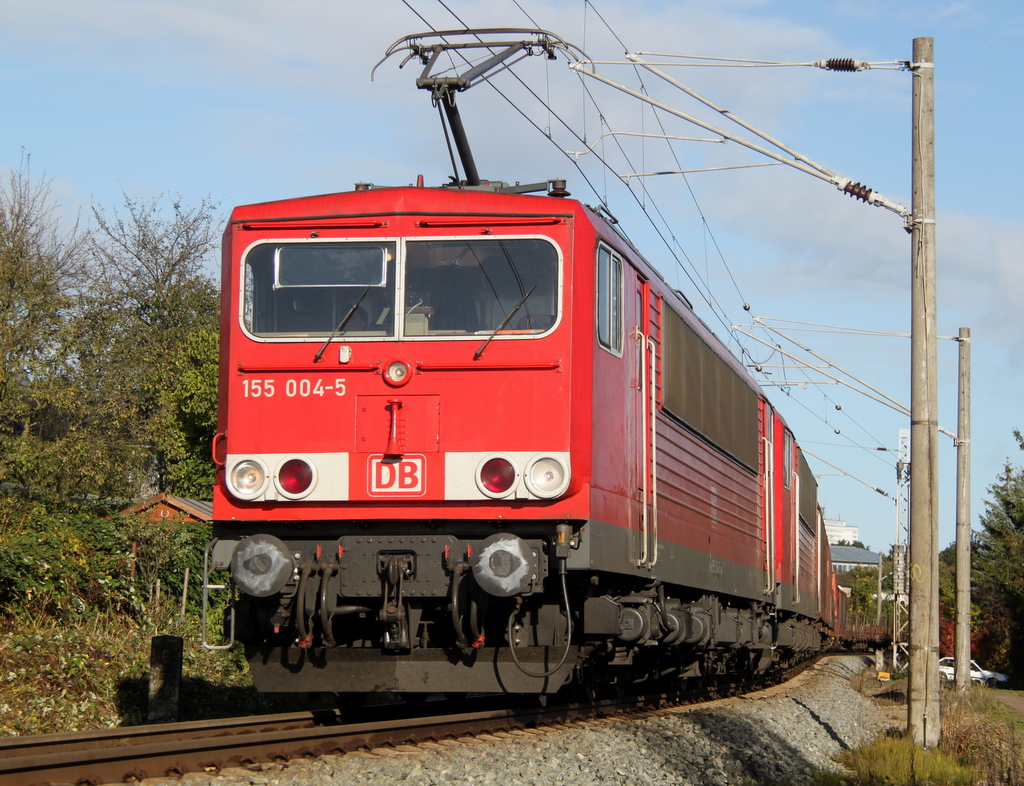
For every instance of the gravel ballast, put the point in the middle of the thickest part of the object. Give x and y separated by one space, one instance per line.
776 736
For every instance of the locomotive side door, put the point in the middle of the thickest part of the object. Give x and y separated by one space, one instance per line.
768 495
643 337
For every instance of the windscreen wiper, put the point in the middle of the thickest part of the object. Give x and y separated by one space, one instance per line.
341 325
497 330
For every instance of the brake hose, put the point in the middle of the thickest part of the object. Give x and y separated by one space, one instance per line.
568 633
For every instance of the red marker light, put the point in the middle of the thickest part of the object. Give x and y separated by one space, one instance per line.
295 476
497 475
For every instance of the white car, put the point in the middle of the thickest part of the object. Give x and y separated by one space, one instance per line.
978 674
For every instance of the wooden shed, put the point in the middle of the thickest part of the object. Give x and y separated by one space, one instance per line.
168 506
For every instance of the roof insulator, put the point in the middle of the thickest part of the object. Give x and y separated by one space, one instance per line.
558 188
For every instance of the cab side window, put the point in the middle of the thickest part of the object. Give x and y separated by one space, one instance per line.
609 299
787 459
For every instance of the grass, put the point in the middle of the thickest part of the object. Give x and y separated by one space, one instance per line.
1000 710
979 728
68 677
79 604
982 743
897 761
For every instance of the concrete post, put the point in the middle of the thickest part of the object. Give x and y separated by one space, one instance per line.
962 647
165 657
923 720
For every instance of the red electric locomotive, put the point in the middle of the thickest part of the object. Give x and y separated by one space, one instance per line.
470 440
470 437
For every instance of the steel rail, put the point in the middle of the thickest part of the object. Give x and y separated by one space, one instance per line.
135 753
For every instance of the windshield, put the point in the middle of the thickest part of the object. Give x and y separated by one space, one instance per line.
306 289
451 288
455 287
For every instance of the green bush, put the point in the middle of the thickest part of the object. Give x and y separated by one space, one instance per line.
78 608
68 563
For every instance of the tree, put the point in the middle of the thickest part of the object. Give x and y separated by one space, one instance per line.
105 391
854 544
947 599
190 404
156 309
863 583
42 270
998 555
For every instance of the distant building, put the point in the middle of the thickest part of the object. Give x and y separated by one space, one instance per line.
846 558
840 532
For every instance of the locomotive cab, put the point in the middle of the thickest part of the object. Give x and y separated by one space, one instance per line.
396 439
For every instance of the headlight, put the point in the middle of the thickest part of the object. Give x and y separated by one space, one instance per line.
248 479
547 477
397 373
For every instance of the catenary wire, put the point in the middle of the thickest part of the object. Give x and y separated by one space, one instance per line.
704 291
686 180
803 371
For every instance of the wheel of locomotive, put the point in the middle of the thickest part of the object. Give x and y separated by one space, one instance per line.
695 684
585 689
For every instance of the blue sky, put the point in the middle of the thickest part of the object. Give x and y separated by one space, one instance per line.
252 101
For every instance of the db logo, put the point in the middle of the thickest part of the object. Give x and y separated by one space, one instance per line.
404 475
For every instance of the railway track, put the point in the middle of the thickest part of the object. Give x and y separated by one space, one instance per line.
134 753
